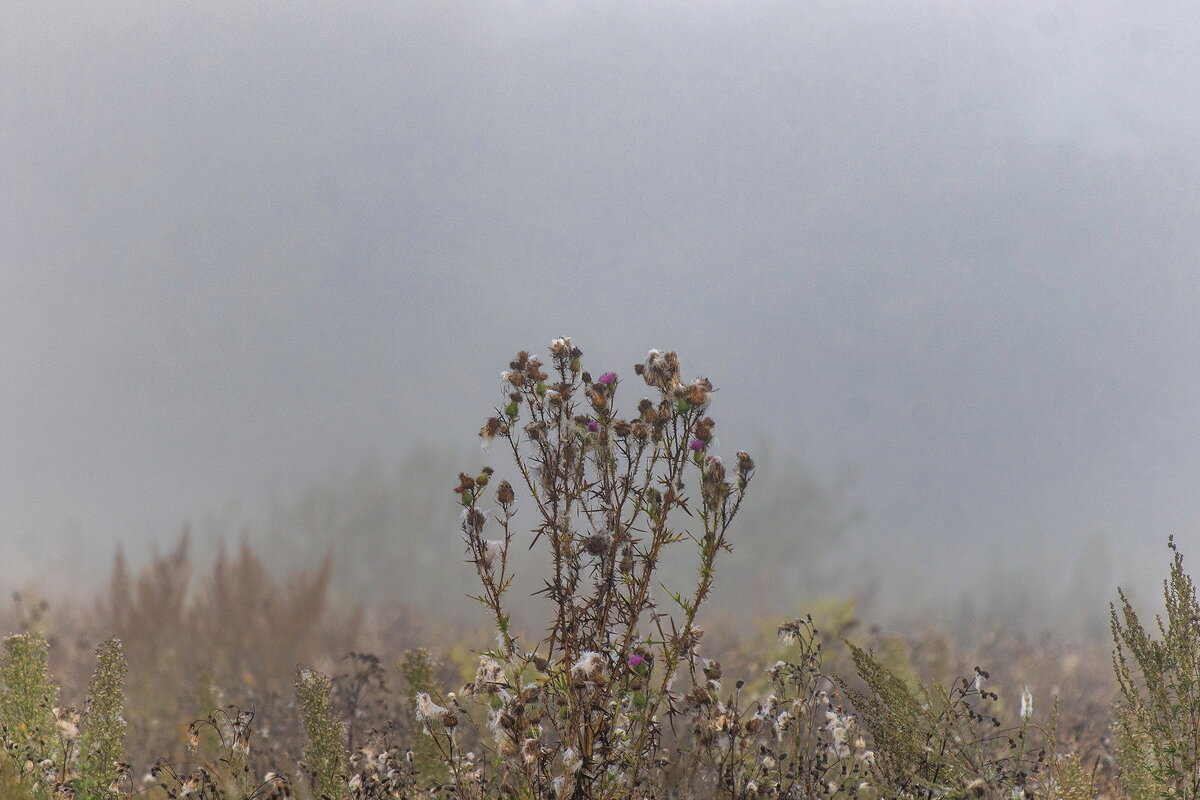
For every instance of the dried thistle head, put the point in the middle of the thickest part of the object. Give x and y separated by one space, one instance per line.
474 520
697 392
490 428
597 544
660 370
536 431
67 720
713 484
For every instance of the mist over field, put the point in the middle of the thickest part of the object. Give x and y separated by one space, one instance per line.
261 266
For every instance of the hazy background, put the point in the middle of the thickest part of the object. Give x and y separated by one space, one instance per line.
261 264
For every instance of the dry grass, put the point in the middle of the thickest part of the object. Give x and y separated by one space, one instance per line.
189 657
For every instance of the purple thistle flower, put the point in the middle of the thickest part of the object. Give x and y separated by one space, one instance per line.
696 445
635 659
593 426
607 378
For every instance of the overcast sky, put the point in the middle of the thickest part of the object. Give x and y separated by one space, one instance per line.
948 248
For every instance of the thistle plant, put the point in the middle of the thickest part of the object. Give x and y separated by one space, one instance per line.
580 713
1158 724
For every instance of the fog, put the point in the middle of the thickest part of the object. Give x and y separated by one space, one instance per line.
941 259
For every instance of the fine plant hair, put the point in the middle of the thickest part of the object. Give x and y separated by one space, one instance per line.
580 712
325 754
931 741
102 766
1157 725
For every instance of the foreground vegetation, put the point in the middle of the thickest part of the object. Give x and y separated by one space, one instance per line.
622 694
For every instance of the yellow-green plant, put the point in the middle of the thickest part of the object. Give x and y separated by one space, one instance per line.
325 756
1158 724
27 692
939 742
419 670
102 743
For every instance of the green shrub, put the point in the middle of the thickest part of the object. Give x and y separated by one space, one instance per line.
1158 724
938 742
324 756
27 692
102 743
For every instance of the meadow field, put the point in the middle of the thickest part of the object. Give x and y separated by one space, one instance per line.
234 679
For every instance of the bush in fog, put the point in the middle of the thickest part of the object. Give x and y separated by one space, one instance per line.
1158 724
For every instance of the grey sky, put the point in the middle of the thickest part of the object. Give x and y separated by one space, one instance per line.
950 247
